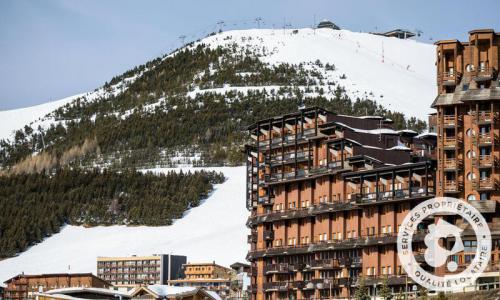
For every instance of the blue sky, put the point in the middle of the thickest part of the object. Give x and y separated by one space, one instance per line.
50 49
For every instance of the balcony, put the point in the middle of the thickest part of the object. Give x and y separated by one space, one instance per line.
484 206
484 184
452 164
452 186
277 286
392 195
268 235
266 200
451 143
451 121
280 268
325 264
252 238
483 74
484 139
484 117
487 161
449 78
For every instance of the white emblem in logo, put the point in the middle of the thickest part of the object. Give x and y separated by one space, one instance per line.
437 255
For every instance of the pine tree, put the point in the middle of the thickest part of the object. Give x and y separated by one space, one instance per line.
361 292
385 292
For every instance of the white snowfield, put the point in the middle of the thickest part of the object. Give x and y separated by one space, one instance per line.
401 71
398 74
12 120
213 231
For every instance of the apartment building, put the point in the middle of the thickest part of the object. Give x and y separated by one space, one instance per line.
26 286
468 127
134 270
210 276
327 193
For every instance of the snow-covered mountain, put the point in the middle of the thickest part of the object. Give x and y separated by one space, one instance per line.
213 231
399 74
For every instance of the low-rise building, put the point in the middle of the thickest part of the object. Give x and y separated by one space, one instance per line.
26 286
173 293
210 276
83 293
134 270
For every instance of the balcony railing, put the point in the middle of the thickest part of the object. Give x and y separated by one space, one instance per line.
268 235
452 186
452 163
484 117
325 264
487 160
279 268
483 74
451 142
252 238
393 195
484 138
449 78
451 120
485 183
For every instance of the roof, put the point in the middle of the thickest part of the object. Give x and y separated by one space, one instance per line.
166 291
205 264
98 291
392 32
306 110
133 257
55 275
239 265
483 30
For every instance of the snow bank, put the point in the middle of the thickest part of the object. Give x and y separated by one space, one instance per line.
213 231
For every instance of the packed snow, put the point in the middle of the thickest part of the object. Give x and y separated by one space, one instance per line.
12 120
399 74
213 231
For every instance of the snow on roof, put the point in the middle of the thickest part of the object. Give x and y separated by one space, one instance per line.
370 131
408 131
399 147
426 134
70 290
214 295
169 290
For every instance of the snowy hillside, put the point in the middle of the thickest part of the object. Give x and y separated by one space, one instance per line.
399 74
215 230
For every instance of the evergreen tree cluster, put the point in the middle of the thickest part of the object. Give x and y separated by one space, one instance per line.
34 206
212 123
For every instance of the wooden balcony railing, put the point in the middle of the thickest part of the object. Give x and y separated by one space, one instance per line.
452 163
451 120
449 78
485 138
483 74
487 160
451 141
485 183
484 117
452 186
331 263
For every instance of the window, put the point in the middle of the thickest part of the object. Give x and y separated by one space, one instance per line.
471 176
471 197
484 196
471 154
470 132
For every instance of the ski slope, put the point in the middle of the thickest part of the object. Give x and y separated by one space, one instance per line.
12 120
213 231
399 73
